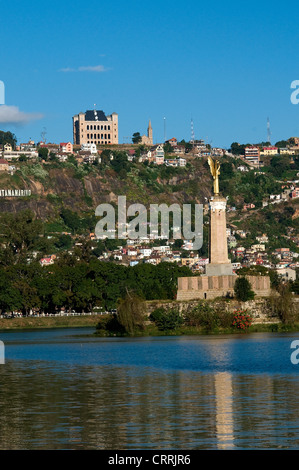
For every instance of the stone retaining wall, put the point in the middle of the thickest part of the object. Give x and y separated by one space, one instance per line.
210 287
261 309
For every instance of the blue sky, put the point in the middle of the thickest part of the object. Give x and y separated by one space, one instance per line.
227 65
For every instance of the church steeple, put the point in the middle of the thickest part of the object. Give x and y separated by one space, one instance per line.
150 132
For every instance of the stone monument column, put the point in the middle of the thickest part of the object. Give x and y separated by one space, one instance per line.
219 264
218 252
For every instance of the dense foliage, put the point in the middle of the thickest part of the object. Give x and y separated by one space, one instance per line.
243 290
242 320
80 285
8 138
166 320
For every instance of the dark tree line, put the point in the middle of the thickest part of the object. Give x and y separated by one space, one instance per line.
77 281
80 286
8 138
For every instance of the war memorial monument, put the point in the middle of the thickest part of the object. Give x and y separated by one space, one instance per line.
219 278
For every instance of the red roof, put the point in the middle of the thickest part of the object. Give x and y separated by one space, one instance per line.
2 161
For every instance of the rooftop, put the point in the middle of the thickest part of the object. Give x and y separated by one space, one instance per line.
93 115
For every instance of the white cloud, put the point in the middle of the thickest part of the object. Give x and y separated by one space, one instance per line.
67 69
88 68
12 115
95 68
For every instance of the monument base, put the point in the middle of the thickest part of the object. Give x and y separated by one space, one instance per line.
210 287
223 269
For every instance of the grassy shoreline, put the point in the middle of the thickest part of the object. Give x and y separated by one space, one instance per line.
150 330
48 322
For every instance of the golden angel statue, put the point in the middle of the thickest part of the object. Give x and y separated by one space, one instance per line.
215 171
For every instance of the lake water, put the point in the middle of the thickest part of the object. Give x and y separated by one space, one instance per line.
63 389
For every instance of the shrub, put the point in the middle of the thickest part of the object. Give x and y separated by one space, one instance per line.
209 316
284 305
201 315
131 313
243 290
225 318
166 320
242 320
109 324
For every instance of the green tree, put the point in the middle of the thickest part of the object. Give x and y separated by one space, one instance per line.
120 161
64 242
166 320
136 139
8 138
243 289
43 153
167 148
20 233
71 219
279 165
238 149
53 157
284 304
282 144
131 313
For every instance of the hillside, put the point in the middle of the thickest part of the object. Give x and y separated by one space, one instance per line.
82 188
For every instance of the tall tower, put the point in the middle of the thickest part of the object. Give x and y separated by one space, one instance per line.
268 131
150 133
192 133
218 251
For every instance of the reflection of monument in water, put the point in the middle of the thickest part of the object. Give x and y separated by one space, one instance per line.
224 410
219 278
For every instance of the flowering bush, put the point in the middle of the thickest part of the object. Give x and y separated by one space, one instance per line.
242 320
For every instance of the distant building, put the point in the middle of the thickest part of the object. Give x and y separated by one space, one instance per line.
286 151
182 161
148 139
269 151
94 127
294 193
252 155
243 168
47 260
248 206
286 273
91 148
66 147
263 239
29 146
173 142
4 165
10 155
159 155
219 152
7 148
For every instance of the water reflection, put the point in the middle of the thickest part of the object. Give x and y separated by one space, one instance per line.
224 410
71 407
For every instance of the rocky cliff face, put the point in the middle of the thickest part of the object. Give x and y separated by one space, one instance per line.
53 188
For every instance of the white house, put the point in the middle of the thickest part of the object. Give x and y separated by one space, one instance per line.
182 161
159 155
92 148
